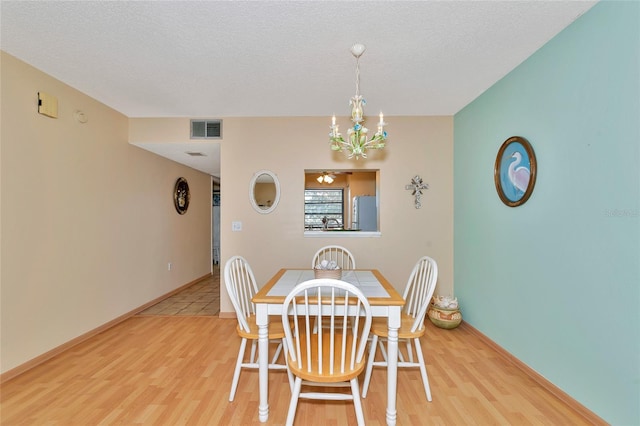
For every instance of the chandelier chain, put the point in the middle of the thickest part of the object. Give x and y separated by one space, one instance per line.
357 76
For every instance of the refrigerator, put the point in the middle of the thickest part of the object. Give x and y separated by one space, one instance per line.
365 213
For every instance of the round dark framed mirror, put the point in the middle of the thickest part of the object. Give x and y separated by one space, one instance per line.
181 195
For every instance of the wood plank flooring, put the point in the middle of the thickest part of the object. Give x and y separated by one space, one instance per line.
177 370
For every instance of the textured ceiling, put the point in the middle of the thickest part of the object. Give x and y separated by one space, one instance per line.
219 59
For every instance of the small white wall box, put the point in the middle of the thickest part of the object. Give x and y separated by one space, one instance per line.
47 105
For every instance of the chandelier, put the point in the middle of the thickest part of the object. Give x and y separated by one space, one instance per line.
356 143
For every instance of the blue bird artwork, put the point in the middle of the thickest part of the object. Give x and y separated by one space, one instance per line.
518 175
515 172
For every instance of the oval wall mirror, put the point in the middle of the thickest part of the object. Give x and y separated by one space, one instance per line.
264 191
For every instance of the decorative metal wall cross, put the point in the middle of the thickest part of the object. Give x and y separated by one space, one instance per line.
417 186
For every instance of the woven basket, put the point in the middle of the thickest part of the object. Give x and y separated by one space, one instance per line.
444 318
336 274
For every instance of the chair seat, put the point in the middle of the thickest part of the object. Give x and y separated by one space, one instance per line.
380 328
325 377
276 331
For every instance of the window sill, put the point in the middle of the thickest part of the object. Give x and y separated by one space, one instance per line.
342 234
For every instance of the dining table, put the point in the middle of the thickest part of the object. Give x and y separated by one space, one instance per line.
385 302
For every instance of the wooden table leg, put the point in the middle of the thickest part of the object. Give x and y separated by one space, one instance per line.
392 364
262 320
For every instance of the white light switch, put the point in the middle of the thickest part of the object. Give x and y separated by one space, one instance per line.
236 226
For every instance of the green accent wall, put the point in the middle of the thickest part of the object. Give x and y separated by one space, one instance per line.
556 281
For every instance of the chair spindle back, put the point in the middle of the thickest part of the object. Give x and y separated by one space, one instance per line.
342 343
241 286
342 256
419 290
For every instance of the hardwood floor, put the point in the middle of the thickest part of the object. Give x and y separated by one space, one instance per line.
177 370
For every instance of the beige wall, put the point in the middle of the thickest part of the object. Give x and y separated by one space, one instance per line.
87 220
287 146
88 224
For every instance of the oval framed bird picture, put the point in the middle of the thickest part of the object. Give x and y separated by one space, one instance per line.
515 171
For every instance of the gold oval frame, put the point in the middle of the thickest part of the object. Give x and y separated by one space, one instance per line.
498 167
181 195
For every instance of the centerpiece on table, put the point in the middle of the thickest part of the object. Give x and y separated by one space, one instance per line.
444 312
328 269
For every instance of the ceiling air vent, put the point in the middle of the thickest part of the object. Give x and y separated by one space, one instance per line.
206 129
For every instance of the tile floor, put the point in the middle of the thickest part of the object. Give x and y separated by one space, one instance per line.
200 299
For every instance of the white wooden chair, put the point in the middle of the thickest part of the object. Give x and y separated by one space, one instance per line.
333 357
417 296
241 286
341 255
